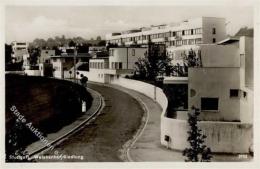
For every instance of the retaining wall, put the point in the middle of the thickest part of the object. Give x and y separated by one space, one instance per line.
222 137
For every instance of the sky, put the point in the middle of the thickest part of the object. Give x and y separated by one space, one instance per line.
25 23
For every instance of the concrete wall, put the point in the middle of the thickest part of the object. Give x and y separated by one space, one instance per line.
247 106
144 88
215 83
33 72
222 137
246 52
220 55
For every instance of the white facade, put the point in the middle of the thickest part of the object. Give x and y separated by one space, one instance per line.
121 61
189 32
125 57
19 45
224 83
19 49
57 64
179 38
26 61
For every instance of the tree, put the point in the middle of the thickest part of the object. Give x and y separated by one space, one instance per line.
14 146
72 43
197 151
102 43
99 38
83 80
34 54
156 63
190 60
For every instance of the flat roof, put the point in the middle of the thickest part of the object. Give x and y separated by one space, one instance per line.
228 41
175 80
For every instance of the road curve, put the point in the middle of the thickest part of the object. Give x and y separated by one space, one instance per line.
102 139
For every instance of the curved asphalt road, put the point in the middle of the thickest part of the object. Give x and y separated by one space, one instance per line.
102 139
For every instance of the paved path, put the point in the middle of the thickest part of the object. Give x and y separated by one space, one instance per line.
103 138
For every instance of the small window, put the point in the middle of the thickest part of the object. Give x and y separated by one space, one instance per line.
214 40
133 52
234 93
120 65
214 31
183 32
191 31
46 52
116 65
209 103
244 94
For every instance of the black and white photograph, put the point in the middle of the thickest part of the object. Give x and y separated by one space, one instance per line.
129 83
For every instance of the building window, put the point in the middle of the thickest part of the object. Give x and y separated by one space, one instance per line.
111 52
214 31
116 65
173 33
113 65
120 65
244 94
179 33
233 93
191 41
191 31
183 33
198 40
214 40
46 52
184 42
178 42
133 52
209 103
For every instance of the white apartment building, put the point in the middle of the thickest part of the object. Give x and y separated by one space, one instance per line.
190 32
19 49
19 45
121 61
178 37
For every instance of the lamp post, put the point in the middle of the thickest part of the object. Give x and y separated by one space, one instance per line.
75 54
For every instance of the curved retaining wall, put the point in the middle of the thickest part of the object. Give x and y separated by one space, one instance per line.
146 89
222 137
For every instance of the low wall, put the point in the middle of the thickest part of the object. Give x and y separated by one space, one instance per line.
94 76
144 88
222 137
32 72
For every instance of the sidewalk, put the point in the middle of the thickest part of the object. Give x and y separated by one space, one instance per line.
97 99
148 148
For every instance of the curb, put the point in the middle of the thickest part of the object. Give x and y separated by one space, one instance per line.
72 131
